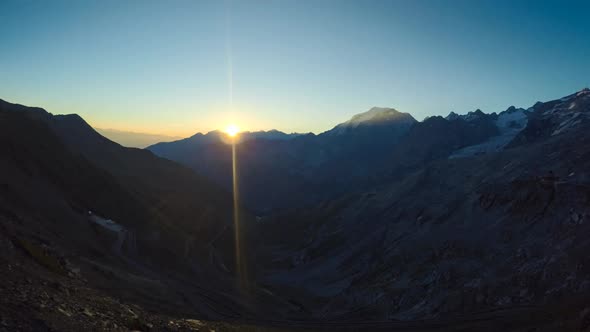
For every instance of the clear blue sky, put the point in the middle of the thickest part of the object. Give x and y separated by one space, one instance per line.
173 66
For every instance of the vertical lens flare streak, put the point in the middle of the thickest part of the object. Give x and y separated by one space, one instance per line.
232 131
240 264
236 204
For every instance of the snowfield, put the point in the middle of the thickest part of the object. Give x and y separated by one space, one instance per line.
509 123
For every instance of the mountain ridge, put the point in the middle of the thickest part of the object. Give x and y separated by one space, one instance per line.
314 164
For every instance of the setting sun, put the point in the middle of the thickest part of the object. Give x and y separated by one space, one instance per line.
232 130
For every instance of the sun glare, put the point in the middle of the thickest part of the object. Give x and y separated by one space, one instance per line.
232 130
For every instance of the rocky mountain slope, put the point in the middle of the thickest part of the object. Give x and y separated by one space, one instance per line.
497 230
83 213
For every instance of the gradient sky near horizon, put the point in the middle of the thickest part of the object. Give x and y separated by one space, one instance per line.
180 67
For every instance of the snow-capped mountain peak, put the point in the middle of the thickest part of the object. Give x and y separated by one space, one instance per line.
374 116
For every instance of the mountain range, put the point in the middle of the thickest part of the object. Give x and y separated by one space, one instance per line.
356 154
472 222
295 169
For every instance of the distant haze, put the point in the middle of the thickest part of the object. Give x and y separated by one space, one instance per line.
133 139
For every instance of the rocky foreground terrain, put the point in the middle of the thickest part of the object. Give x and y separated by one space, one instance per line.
43 291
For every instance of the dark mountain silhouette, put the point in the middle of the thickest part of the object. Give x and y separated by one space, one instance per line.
135 226
281 173
379 144
472 221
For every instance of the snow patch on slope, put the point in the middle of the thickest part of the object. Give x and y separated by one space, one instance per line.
107 223
123 234
509 123
571 111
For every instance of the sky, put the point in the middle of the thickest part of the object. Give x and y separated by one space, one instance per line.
181 67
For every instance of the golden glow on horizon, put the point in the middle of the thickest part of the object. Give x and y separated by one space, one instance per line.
232 130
